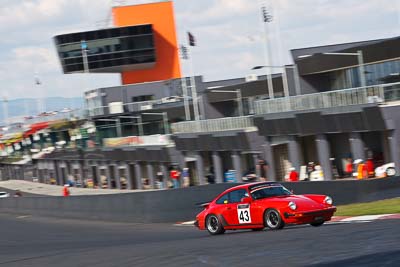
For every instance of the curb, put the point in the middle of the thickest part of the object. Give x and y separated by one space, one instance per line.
363 218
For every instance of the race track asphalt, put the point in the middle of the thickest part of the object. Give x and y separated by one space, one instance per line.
32 241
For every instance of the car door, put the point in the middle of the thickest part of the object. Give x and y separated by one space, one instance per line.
239 213
225 208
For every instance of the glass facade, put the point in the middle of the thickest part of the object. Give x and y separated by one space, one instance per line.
379 73
109 50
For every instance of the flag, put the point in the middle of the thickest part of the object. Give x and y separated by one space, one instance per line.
192 40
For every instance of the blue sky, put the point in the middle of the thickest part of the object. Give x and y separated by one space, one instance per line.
228 33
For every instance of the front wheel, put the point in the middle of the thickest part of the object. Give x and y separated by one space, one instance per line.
214 226
391 172
316 224
273 220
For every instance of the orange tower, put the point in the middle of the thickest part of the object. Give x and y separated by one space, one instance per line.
161 17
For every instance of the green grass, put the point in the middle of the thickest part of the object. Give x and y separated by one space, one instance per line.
371 208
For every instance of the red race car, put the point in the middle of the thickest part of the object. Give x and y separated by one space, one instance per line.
264 204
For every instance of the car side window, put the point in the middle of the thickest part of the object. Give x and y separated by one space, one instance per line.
223 199
237 195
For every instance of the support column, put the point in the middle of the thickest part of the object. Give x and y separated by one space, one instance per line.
219 178
128 177
150 173
81 166
164 170
255 161
393 139
117 177
138 174
99 184
294 153
357 146
237 165
269 157
324 153
200 168
386 147
58 172
108 175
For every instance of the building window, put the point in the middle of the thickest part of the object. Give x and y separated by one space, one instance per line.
142 98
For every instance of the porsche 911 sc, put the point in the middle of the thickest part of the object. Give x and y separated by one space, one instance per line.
263 204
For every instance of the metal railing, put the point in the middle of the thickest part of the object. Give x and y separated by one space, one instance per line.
213 125
133 106
338 98
69 115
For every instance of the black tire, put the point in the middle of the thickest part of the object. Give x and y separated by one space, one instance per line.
273 219
316 224
390 172
213 225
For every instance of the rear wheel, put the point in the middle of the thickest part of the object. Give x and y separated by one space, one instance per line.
316 224
273 220
213 225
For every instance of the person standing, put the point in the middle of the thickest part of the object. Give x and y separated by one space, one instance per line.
293 175
66 192
175 175
262 167
210 175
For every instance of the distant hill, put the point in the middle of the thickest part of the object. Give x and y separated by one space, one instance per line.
29 106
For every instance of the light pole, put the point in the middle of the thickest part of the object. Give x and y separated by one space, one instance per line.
267 18
165 119
284 77
84 49
238 93
5 110
360 58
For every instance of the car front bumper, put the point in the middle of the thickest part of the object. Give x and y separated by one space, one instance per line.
309 216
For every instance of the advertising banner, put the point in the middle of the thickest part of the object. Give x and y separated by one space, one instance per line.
137 141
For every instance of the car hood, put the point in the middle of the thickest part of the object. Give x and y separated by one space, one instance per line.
302 202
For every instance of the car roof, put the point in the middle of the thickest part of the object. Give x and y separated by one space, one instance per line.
251 185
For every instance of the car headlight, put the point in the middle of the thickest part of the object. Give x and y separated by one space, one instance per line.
328 200
292 205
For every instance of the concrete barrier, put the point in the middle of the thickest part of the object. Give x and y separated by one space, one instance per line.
180 204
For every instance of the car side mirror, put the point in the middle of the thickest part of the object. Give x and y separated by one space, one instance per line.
246 200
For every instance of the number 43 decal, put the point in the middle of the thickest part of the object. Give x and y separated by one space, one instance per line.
244 214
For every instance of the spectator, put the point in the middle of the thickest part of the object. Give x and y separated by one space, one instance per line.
159 181
175 175
370 167
66 192
186 177
17 193
210 175
349 168
293 175
262 167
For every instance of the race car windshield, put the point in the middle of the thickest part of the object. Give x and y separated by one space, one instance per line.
270 191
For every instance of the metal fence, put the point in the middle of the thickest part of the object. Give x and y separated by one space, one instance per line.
214 125
69 115
346 97
132 107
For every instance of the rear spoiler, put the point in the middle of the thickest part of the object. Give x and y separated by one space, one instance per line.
203 204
